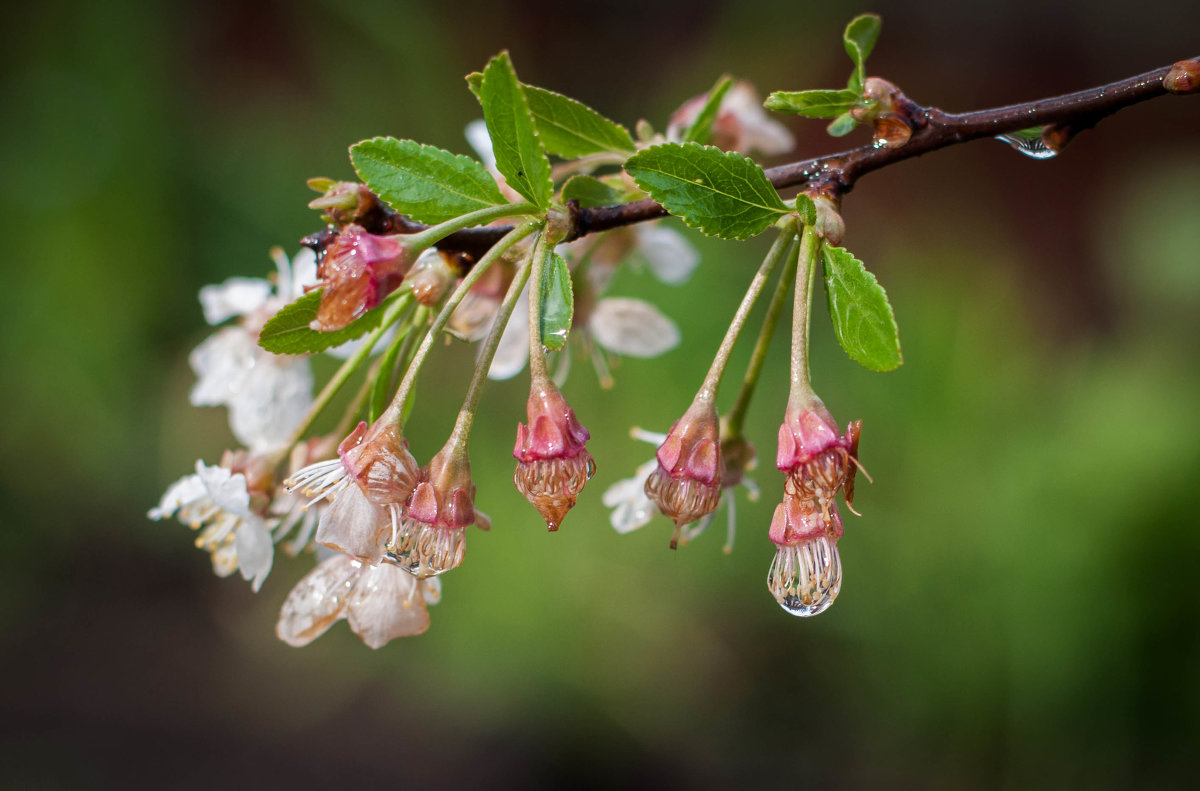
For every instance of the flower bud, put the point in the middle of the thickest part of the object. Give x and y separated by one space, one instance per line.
738 456
552 463
830 224
379 461
431 538
805 577
1183 77
340 199
687 482
358 270
430 277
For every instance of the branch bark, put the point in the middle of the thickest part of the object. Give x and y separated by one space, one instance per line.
838 173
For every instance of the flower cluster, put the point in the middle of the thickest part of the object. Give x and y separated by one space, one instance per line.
375 287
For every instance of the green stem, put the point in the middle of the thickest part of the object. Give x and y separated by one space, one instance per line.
395 410
802 311
708 390
466 415
347 369
385 372
737 415
433 235
537 352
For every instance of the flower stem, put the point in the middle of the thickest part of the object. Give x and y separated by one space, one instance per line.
395 410
708 390
802 311
466 415
737 415
537 273
347 369
431 236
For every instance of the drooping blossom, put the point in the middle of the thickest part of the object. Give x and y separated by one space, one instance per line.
817 460
632 508
431 539
686 484
806 573
267 394
226 503
741 125
381 602
367 486
357 271
552 463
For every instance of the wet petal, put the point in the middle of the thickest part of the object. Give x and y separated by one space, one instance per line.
385 604
255 551
237 296
187 489
627 497
668 253
228 491
355 525
317 601
273 399
513 351
632 327
221 362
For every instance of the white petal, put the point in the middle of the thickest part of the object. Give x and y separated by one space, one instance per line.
355 525
627 497
237 296
385 604
221 363
273 398
759 132
512 353
187 489
227 490
632 327
317 600
668 253
431 589
255 551
477 135
296 276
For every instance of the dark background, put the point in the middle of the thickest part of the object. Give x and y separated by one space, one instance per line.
1020 605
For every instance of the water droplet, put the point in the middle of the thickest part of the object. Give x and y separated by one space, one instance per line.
805 578
1029 142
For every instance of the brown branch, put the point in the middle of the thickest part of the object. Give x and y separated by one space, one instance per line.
837 173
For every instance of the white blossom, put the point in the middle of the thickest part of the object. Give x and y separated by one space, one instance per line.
268 395
216 501
381 602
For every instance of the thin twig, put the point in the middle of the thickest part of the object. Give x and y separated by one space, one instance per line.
838 173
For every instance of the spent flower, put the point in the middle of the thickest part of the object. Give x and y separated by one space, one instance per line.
552 463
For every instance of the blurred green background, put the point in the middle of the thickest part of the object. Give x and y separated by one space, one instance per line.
1020 606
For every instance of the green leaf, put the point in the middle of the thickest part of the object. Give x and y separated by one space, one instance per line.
558 303
701 129
287 332
572 129
812 104
720 193
859 39
590 191
519 153
806 209
862 317
842 125
428 184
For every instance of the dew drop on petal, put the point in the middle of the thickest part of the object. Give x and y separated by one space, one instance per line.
805 578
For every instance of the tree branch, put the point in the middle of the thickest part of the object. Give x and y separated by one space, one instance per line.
837 173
